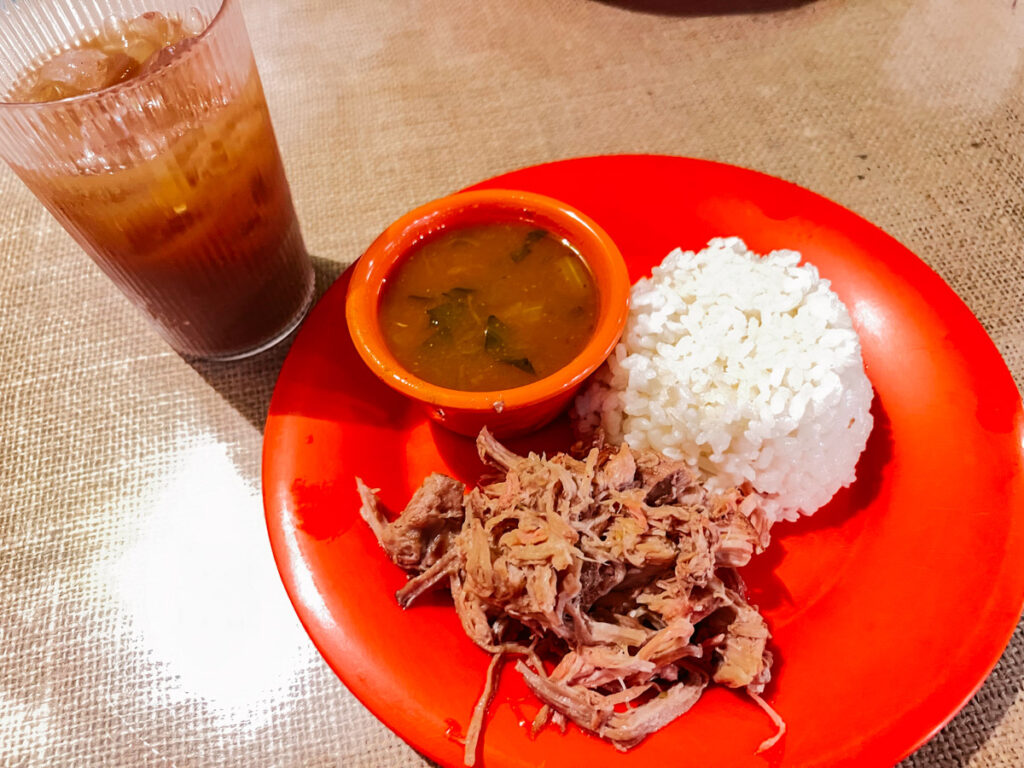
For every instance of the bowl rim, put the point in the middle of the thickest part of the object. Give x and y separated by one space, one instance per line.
593 244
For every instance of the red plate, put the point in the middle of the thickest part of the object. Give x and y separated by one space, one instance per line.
888 607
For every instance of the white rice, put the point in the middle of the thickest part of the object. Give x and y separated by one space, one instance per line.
748 367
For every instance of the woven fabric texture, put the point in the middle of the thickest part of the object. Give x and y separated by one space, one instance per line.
117 456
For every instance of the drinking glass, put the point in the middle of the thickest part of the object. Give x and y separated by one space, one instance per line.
171 180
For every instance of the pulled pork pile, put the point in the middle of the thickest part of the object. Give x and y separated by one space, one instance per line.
618 568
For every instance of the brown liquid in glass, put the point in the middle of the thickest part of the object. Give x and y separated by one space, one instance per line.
202 233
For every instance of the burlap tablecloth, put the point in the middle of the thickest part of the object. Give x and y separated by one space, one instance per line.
142 621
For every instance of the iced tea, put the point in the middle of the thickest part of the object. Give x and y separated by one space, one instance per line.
167 172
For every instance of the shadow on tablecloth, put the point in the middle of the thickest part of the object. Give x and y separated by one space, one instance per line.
705 7
249 384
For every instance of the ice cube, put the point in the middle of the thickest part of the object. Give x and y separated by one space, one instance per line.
119 52
78 71
141 48
156 28
84 69
115 33
165 55
194 21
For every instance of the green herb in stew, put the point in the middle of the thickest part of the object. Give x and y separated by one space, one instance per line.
494 342
524 250
468 310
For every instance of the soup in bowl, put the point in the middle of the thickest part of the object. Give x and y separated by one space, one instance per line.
489 307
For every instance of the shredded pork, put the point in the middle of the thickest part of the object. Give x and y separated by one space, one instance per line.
618 568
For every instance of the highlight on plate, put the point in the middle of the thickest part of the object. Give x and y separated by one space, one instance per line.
735 400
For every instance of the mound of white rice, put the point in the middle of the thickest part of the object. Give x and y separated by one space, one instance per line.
746 366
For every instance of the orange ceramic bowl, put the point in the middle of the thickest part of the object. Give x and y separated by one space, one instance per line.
505 412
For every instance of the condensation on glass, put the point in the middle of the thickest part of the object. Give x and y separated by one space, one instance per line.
171 178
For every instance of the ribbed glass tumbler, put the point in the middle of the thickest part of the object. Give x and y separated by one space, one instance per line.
169 176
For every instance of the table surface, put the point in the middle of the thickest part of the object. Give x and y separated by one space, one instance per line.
142 621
